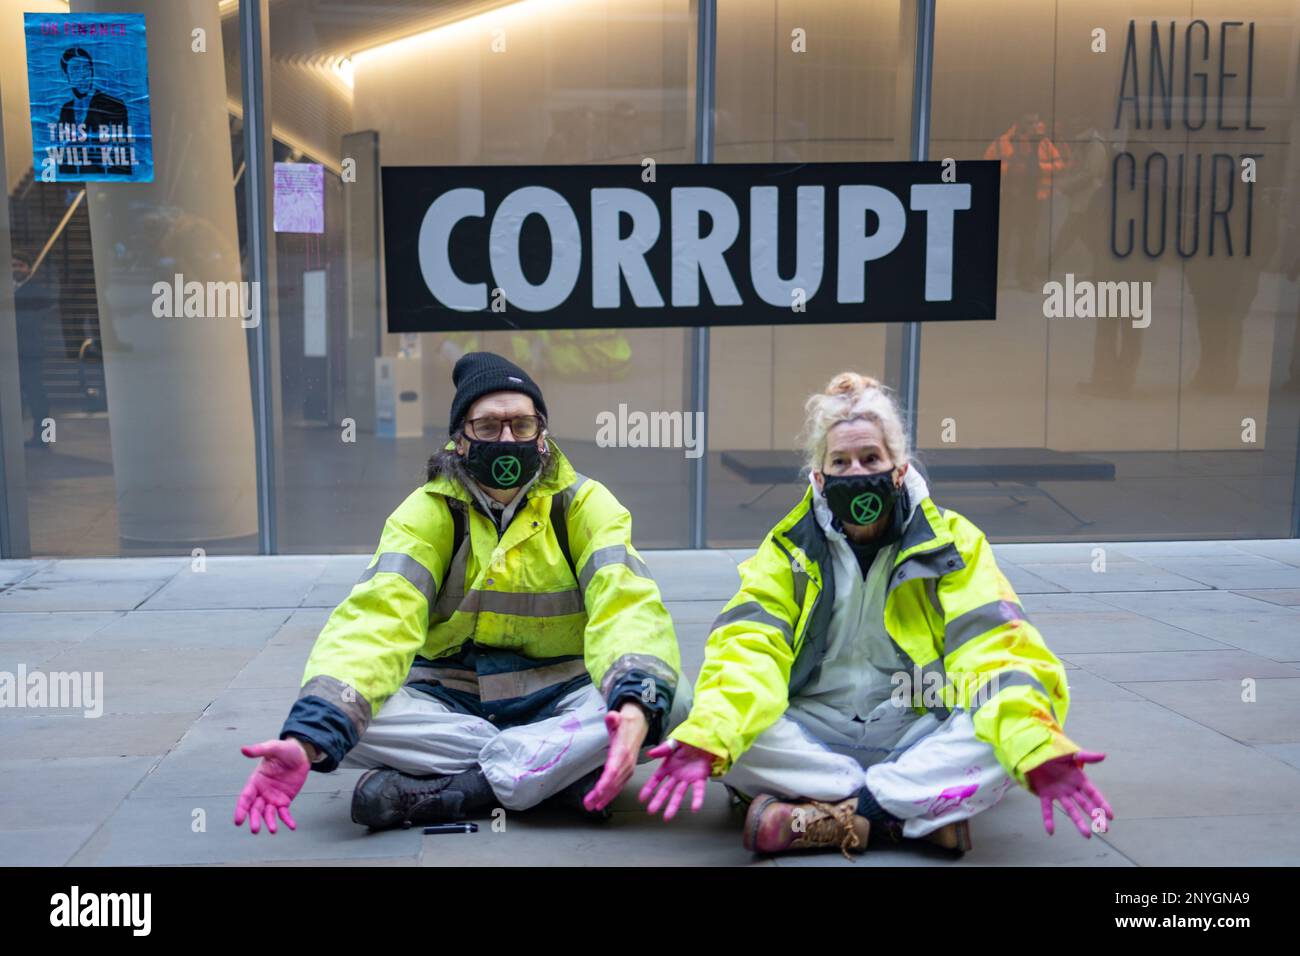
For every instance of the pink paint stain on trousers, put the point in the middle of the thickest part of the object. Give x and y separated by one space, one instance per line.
571 726
949 800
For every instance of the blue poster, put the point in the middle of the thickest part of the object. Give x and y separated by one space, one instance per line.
88 84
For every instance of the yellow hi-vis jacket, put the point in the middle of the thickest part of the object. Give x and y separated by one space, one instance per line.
948 608
503 628
578 355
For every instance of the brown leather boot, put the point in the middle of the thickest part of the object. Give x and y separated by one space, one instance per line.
773 825
952 836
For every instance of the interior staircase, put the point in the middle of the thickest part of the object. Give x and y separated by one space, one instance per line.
72 368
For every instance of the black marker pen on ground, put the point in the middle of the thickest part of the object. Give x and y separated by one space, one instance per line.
452 828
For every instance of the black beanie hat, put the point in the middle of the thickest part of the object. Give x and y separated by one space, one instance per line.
478 373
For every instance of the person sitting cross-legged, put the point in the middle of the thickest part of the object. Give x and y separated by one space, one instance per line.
507 645
875 675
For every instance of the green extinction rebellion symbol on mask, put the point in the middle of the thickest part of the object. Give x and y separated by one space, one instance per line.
865 507
506 470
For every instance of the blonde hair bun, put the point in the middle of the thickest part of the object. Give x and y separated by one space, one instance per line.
850 396
850 383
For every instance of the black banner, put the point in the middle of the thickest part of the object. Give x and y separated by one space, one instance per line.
570 247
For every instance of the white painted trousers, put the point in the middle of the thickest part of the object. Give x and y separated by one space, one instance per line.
926 772
524 763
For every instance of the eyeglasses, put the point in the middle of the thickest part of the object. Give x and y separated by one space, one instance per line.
522 427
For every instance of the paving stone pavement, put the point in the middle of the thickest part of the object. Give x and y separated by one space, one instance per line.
1183 660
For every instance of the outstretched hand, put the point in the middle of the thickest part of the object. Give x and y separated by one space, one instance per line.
273 785
1062 780
683 767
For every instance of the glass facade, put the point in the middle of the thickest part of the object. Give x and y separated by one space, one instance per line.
582 81
846 96
1148 148
1196 411
124 433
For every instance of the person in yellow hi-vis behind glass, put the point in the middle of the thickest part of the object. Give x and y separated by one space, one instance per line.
507 645
875 673
569 355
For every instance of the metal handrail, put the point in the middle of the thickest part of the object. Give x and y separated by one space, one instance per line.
54 237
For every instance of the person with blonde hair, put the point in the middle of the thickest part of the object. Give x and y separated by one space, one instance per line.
875 674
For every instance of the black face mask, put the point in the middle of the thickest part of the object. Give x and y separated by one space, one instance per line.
502 464
860 499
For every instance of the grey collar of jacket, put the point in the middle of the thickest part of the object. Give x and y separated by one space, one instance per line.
917 531
493 507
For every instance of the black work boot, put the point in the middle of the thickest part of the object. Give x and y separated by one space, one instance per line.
386 798
570 798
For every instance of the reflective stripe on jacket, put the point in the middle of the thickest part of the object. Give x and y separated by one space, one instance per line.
512 626
948 607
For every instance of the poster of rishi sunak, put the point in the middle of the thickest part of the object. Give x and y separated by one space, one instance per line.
88 87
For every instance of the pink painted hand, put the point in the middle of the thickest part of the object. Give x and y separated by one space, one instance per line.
684 766
273 785
627 728
1063 780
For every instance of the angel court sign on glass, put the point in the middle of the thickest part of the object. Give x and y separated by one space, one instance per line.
534 247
